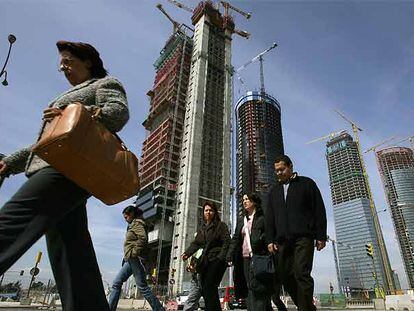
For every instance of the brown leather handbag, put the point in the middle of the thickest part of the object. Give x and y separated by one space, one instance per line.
83 150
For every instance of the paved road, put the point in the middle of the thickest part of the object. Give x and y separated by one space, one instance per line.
32 309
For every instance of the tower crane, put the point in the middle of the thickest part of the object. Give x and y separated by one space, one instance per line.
228 6
181 6
389 280
259 57
409 138
176 25
242 33
329 136
373 148
355 127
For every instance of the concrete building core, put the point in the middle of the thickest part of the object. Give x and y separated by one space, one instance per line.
205 155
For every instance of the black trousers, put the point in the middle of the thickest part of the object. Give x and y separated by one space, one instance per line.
276 295
294 267
48 203
256 301
210 280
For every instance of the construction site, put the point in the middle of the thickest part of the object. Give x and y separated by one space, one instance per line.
186 155
259 141
259 137
159 164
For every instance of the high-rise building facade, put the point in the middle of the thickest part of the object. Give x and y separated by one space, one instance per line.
206 148
354 225
259 141
396 166
160 159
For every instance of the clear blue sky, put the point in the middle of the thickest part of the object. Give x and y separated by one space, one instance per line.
357 56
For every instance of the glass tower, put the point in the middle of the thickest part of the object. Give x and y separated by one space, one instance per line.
259 141
354 226
396 166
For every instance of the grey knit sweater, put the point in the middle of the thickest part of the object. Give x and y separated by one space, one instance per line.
106 93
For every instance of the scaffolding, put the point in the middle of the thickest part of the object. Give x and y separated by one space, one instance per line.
159 163
206 151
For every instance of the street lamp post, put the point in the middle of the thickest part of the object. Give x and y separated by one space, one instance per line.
3 71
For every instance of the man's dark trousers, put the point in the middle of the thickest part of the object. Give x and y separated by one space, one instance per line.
276 294
48 203
294 266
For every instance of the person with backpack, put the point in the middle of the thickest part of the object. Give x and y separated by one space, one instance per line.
135 249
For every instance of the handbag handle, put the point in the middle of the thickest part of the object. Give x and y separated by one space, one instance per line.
96 114
246 231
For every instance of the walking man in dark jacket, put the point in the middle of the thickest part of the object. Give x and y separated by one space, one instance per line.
296 218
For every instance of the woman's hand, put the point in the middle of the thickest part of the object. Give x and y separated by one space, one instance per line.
229 263
50 113
320 245
3 167
272 248
184 256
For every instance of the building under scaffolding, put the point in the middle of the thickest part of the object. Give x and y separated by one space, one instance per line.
259 141
159 164
396 166
206 148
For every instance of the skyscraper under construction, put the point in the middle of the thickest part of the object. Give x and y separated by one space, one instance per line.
396 166
259 141
353 217
205 151
161 151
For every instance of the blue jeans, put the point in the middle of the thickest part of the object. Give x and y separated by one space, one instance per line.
133 266
194 294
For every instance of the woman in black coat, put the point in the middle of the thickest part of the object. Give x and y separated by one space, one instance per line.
214 238
258 292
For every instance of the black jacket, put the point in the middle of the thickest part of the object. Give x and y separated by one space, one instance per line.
259 247
301 215
214 239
